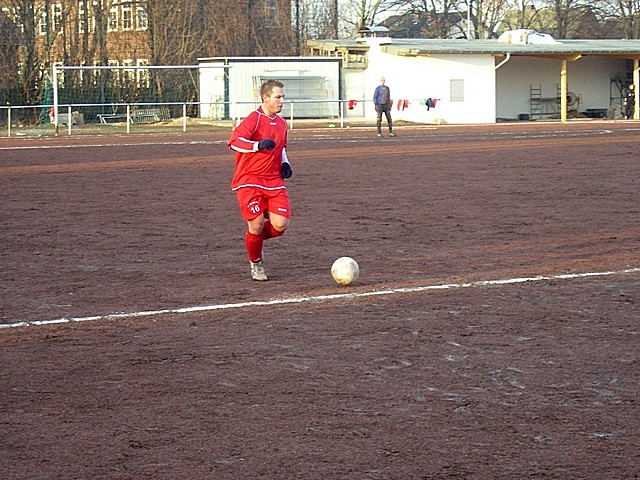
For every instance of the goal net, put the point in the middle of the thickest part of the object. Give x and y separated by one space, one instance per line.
138 93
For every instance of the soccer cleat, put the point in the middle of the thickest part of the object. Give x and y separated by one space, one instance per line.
379 134
391 134
257 272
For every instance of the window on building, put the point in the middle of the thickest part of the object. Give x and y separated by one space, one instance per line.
142 20
95 74
112 23
86 22
456 90
144 79
82 17
50 20
115 73
82 74
127 16
59 74
42 23
56 15
128 75
271 13
12 14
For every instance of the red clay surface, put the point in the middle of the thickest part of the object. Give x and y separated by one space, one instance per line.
530 379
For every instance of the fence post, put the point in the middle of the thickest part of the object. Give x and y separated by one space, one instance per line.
184 118
69 121
9 121
128 118
292 104
56 123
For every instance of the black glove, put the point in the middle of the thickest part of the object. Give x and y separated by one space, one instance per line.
285 170
266 144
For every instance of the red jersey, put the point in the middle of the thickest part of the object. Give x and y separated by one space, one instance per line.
258 168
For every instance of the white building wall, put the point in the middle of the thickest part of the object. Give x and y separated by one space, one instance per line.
589 78
416 79
354 89
488 94
244 84
212 90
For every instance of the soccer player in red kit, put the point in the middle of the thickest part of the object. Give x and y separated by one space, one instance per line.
261 165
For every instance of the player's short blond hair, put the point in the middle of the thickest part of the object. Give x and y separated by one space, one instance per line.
267 87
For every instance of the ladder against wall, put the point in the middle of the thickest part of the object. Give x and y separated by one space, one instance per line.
535 101
544 106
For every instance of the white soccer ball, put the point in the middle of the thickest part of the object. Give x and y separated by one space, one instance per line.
345 270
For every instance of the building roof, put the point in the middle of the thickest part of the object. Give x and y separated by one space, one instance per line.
629 49
374 31
254 59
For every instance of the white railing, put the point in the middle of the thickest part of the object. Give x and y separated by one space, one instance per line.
78 118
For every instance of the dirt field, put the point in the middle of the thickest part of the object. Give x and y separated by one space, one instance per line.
492 334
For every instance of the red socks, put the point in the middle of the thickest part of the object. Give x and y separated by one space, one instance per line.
255 242
269 232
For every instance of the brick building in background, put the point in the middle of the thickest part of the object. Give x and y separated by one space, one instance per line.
135 33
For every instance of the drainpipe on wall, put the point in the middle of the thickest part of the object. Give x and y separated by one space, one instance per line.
503 61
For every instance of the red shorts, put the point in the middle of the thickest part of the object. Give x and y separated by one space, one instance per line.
254 202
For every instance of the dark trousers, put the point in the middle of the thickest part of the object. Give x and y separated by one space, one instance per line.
629 104
386 109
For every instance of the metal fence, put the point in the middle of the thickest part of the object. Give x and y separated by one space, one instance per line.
77 119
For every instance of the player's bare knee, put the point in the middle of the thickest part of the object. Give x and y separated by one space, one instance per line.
280 225
256 225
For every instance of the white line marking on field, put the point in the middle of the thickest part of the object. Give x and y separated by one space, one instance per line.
584 133
484 135
111 145
317 298
491 135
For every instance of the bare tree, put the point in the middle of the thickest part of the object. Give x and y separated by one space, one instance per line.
524 14
31 76
628 13
455 18
248 28
175 31
487 18
227 30
318 19
360 13
567 16
437 18
10 41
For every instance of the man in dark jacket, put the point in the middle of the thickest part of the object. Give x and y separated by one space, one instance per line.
382 101
629 102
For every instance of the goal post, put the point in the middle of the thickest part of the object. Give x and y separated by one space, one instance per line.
106 91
